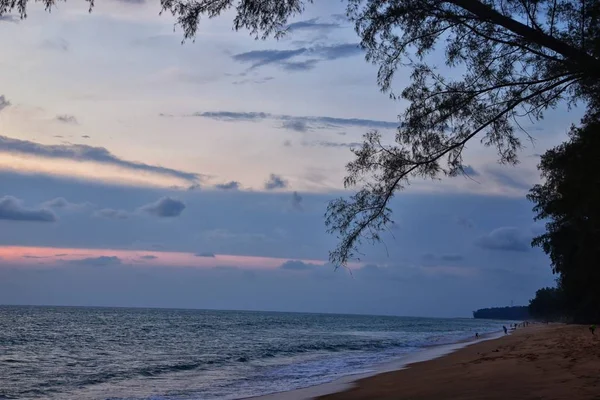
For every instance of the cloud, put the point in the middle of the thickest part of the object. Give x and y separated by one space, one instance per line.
85 153
312 25
67 119
102 261
294 265
297 201
325 143
148 257
9 18
297 123
111 213
508 180
165 207
12 209
505 238
339 51
452 257
258 80
85 136
469 170
3 102
205 254
64 204
276 182
294 66
232 185
258 58
281 58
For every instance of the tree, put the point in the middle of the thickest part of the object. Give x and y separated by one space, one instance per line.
516 59
547 305
569 201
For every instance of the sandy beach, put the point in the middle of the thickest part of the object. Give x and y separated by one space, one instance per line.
537 362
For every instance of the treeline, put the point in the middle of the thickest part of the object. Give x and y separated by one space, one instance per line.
569 202
518 313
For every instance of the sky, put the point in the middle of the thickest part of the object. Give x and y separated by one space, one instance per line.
137 170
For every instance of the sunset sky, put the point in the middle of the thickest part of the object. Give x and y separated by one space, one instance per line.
139 171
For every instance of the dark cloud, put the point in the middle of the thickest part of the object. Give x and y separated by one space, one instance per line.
347 145
111 213
258 58
85 136
34 257
3 102
232 116
297 202
469 170
281 58
148 257
452 257
257 80
312 25
102 261
294 265
64 204
205 254
506 238
165 207
339 51
232 185
294 66
12 209
9 18
297 123
80 152
67 119
508 179
276 182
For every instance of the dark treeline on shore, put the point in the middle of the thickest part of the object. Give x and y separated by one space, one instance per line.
518 313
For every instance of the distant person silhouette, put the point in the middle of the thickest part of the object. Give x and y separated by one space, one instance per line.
593 329
476 335
505 330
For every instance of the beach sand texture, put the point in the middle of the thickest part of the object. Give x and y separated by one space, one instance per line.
537 362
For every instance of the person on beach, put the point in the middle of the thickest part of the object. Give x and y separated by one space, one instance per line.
476 335
593 328
505 330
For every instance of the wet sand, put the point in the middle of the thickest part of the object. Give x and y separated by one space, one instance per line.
538 362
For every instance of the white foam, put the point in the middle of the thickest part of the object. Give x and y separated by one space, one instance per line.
346 382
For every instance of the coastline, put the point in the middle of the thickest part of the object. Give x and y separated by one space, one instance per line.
347 382
550 362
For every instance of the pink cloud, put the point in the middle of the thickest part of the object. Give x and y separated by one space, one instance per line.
56 256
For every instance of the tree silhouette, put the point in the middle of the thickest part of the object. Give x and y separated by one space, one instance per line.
548 304
515 58
569 203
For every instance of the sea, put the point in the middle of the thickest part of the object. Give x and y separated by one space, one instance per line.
89 353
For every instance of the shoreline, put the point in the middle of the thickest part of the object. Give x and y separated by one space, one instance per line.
550 362
346 382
